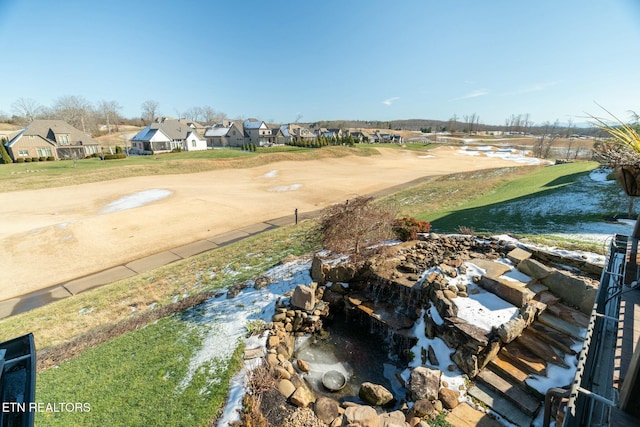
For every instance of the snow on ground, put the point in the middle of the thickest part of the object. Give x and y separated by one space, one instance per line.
270 174
225 321
135 200
518 156
283 188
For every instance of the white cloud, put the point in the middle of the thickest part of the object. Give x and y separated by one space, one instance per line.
473 94
536 87
390 101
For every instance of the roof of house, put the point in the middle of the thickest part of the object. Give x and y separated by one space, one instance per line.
51 130
252 124
173 129
285 130
217 131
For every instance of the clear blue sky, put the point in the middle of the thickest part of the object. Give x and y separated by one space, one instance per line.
328 59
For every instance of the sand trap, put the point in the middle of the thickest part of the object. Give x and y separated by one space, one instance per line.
51 236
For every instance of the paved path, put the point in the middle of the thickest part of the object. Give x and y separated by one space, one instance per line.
45 296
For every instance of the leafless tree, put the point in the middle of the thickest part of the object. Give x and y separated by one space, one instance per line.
544 143
149 110
26 108
355 226
76 111
109 112
453 123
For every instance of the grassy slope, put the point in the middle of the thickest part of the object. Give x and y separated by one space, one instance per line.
150 396
134 380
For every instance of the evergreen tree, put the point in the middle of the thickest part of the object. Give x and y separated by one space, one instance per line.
4 155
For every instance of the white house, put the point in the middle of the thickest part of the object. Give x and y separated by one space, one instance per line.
167 135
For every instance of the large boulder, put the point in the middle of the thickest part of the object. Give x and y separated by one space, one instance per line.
303 298
361 416
302 397
449 398
375 394
424 383
326 409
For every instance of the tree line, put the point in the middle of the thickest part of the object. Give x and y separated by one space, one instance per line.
101 117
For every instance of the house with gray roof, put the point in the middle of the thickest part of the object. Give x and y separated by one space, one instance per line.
224 134
166 135
51 138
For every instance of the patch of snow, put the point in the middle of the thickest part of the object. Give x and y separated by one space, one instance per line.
428 156
557 376
283 188
224 322
135 200
455 378
270 174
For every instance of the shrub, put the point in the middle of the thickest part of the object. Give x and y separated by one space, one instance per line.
50 158
35 159
27 159
407 228
114 156
20 160
43 158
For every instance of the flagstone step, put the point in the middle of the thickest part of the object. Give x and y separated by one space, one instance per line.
554 337
503 366
541 348
500 405
565 327
546 297
514 393
524 359
569 314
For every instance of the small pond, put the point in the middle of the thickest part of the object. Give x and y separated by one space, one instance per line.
353 351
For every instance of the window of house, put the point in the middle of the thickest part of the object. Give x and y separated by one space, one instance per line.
63 139
193 144
23 153
44 152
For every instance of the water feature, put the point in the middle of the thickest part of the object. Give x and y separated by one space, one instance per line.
353 351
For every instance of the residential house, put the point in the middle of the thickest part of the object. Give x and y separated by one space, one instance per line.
257 132
286 136
224 134
51 138
200 129
165 135
359 136
299 133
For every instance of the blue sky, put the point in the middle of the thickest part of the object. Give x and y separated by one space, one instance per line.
330 59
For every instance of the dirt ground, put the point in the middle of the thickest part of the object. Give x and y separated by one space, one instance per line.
51 236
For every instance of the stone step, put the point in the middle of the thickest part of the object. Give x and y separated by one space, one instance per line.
524 359
464 415
514 393
546 297
542 348
503 366
569 314
500 405
567 328
554 337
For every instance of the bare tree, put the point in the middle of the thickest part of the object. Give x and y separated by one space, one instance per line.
544 144
355 226
109 113
149 110
26 108
74 110
453 123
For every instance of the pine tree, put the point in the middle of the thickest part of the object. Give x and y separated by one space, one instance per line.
4 155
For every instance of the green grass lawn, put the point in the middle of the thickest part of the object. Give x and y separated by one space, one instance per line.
134 380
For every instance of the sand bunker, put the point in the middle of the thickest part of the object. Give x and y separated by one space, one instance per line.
51 236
